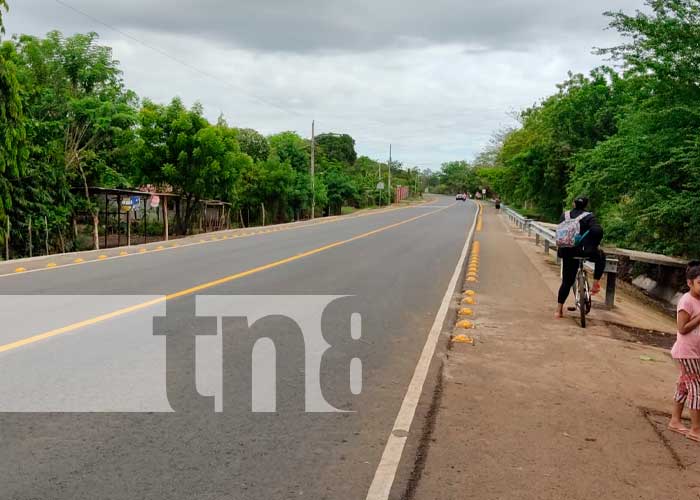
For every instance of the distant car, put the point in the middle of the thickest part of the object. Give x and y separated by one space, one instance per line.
461 197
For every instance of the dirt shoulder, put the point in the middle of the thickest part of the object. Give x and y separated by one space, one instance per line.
542 409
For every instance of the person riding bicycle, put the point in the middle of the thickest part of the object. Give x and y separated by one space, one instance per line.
589 247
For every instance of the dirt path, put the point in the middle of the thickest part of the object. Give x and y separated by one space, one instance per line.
541 409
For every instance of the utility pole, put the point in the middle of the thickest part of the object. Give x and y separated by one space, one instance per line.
381 191
389 174
313 169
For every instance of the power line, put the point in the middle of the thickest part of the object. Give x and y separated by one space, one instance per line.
177 60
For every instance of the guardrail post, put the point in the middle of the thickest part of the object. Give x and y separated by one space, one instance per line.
610 290
537 239
546 247
528 223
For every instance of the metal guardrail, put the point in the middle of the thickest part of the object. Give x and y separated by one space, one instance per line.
548 237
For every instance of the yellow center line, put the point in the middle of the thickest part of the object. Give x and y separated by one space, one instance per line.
287 227
204 286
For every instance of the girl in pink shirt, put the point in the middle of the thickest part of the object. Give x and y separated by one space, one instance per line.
686 352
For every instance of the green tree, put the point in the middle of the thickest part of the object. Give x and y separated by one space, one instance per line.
13 150
254 144
81 117
458 177
288 146
178 147
338 148
3 5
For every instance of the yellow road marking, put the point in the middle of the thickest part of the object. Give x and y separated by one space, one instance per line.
203 286
288 227
20 270
102 257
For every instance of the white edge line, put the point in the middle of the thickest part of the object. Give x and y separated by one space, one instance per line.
391 457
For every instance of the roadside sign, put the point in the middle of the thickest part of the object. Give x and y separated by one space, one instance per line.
135 200
127 204
483 191
380 186
155 201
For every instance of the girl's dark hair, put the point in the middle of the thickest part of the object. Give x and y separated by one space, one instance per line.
692 272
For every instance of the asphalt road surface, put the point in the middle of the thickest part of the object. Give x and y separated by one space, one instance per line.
116 381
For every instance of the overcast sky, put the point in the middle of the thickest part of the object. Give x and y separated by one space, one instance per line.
434 78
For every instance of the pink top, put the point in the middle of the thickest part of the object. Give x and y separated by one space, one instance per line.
688 346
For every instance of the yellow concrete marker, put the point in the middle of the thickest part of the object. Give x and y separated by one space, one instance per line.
123 254
469 300
472 274
51 264
174 245
465 325
20 270
202 241
466 312
102 257
463 339
472 280
78 261
143 250
469 293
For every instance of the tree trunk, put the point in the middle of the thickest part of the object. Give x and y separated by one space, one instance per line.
93 212
178 215
190 203
61 240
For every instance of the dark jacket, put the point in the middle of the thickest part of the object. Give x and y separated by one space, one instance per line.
595 232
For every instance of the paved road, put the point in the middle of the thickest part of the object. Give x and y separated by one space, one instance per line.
81 340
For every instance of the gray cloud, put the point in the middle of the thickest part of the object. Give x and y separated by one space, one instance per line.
433 78
361 25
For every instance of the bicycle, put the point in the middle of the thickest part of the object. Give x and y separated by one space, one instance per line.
582 291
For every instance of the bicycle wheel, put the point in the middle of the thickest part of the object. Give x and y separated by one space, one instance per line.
582 301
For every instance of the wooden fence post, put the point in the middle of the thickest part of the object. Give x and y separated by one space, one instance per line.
7 240
166 223
128 228
46 234
30 238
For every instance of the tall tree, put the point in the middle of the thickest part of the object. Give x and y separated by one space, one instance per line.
80 112
254 144
13 149
179 148
337 148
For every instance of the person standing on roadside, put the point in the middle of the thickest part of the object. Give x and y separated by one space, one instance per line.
686 352
591 235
